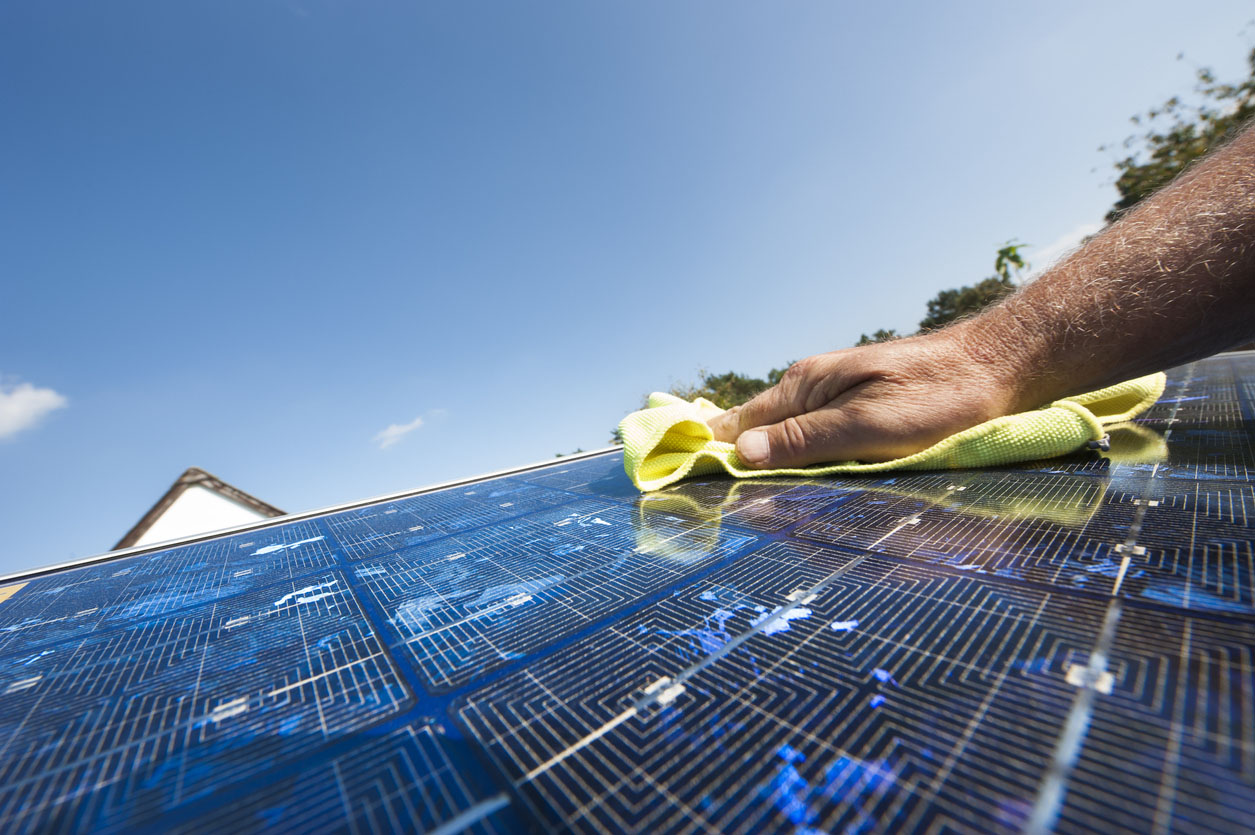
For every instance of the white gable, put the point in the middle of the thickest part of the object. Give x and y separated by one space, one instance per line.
198 510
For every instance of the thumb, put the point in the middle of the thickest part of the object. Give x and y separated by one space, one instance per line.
774 404
806 386
793 442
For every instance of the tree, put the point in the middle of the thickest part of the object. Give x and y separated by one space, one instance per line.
950 305
730 388
1010 262
724 390
1179 133
881 335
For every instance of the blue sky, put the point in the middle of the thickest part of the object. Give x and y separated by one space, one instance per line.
328 250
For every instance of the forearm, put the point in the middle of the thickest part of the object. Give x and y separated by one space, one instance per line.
1171 282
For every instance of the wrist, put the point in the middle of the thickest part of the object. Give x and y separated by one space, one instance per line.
1012 354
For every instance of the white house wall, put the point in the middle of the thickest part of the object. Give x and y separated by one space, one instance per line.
198 510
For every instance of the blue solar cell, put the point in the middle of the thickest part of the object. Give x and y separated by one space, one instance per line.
1065 644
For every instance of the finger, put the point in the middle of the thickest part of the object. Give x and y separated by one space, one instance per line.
726 426
785 399
796 441
808 385
843 431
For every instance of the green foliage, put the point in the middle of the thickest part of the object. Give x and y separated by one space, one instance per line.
730 388
1179 133
951 305
1010 262
881 335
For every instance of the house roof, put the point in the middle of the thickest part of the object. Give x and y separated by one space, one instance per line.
194 477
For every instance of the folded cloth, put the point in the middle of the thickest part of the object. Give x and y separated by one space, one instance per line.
669 439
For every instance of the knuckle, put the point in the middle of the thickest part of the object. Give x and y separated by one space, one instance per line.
823 382
798 371
799 383
747 414
792 439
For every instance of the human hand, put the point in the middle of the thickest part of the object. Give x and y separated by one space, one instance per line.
875 402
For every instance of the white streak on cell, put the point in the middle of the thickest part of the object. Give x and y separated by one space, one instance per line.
778 621
509 603
314 598
23 684
226 710
308 594
270 549
28 661
465 820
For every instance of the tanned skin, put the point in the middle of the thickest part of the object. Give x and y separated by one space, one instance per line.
1171 282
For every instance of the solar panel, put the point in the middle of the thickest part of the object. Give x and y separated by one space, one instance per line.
1065 644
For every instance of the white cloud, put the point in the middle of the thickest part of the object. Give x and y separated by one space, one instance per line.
1043 258
22 406
387 437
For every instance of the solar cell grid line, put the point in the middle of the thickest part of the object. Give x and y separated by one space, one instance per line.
472 603
1210 454
600 476
765 505
110 593
405 780
975 656
1206 400
1196 549
1063 539
548 648
370 532
1181 720
117 715
1094 675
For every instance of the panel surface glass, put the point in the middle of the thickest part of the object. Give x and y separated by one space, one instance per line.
1065 644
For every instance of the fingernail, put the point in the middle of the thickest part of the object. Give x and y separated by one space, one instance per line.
752 447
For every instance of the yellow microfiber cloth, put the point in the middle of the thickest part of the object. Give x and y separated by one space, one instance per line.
669 439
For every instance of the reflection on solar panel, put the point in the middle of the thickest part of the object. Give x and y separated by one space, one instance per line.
1067 644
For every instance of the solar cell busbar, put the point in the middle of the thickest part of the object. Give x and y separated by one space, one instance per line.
1065 645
